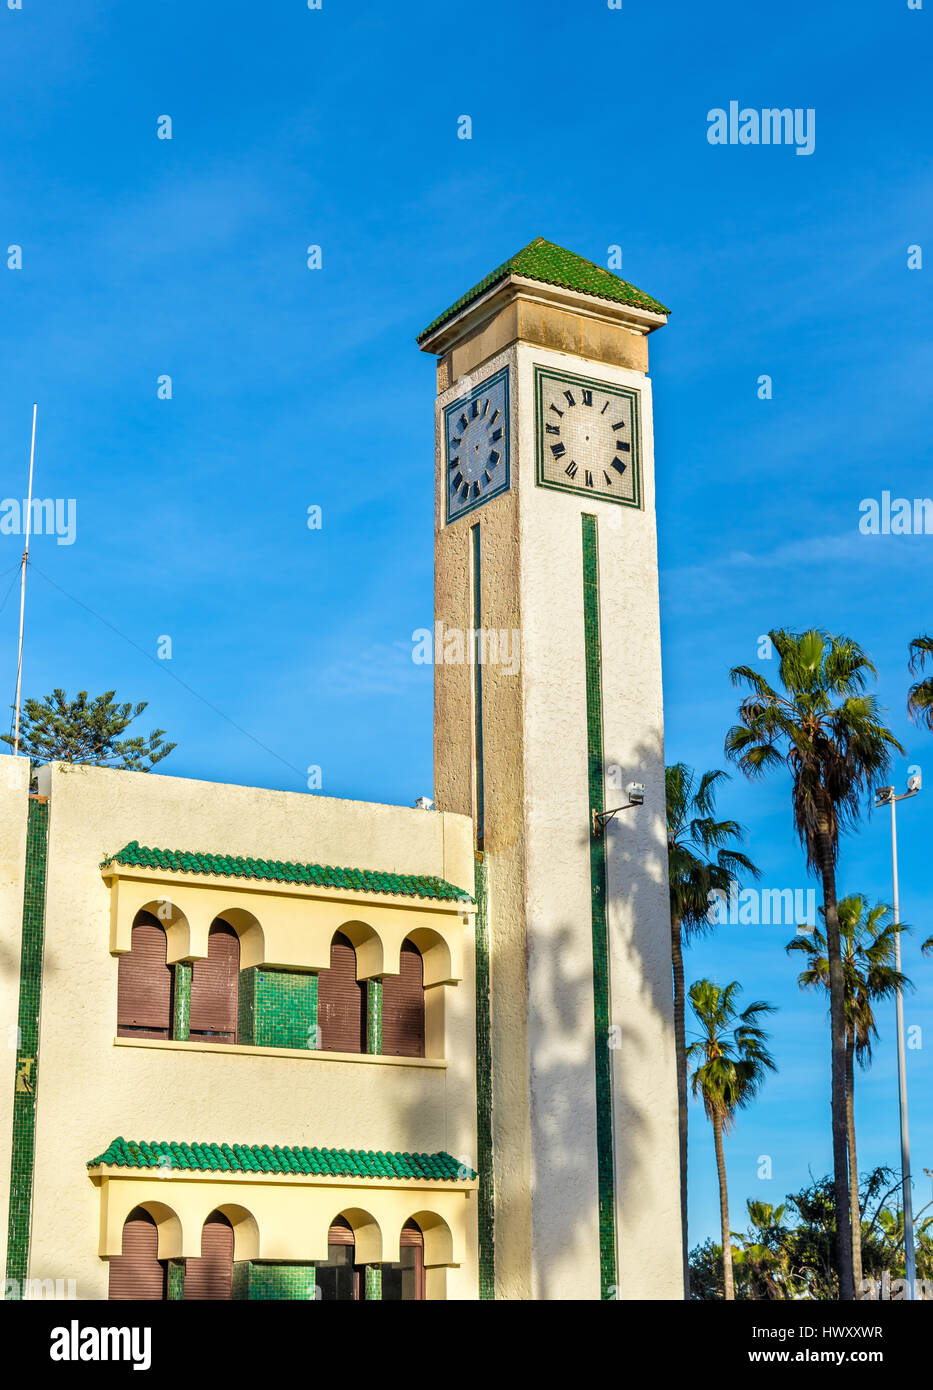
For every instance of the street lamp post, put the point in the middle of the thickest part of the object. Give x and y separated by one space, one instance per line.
885 796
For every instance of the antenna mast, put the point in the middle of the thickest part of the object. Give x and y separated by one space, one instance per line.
22 588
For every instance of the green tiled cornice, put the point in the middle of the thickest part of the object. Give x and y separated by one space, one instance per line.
137 856
265 1158
542 260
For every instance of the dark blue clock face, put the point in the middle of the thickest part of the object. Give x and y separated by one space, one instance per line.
476 436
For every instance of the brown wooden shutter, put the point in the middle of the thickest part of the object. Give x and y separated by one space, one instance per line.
144 984
403 1007
340 1009
211 1275
340 1233
412 1244
214 984
137 1273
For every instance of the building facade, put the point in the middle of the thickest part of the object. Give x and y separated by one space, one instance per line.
446 1071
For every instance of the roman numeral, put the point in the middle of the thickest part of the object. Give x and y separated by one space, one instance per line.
464 422
624 445
455 462
604 409
571 469
588 478
552 429
587 397
488 476
494 458
458 480
494 417
474 409
496 434
555 410
607 477
476 489
619 466
485 405
620 425
570 399
558 450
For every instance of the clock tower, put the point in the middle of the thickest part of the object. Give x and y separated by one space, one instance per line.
548 706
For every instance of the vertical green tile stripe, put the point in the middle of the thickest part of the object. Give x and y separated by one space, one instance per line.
374 1283
181 1003
595 763
486 1196
374 1017
478 690
175 1281
27 1052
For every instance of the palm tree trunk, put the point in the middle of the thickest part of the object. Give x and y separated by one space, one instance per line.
854 1208
680 1047
837 1027
724 1212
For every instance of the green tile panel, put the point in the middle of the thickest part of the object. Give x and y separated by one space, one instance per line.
600 935
277 1008
137 856
265 1158
27 1051
262 1282
553 265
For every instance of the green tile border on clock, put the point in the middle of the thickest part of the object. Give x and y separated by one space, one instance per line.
611 388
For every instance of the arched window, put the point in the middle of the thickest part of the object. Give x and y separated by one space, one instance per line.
341 1010
405 1280
403 1007
138 1273
339 1278
144 983
211 1275
214 983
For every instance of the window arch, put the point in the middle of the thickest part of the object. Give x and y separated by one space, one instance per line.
210 1275
137 1272
144 983
341 1001
403 1006
214 986
339 1278
405 1281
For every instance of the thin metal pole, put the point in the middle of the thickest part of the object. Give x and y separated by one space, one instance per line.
909 1259
22 587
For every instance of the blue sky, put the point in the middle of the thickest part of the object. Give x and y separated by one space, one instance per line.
294 388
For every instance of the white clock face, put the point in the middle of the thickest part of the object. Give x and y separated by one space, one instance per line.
587 437
476 441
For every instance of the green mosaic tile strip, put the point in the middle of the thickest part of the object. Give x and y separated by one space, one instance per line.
267 1283
487 1198
135 855
181 1002
373 1283
477 617
374 1017
277 1008
265 1158
240 1291
595 762
553 265
175 1282
27 1052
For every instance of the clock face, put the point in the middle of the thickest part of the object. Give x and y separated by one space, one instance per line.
476 443
587 437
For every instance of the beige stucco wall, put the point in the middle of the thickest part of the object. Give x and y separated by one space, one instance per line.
14 789
537 808
93 1089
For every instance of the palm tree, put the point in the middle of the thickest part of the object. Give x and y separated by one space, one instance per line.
731 1059
700 862
920 695
828 733
867 942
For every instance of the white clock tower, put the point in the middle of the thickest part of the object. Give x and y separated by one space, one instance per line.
548 706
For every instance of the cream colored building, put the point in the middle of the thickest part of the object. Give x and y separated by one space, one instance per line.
176 952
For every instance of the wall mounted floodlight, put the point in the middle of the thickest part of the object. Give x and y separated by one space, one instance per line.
600 819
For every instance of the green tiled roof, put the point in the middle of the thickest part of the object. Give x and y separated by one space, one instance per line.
135 855
542 260
263 1158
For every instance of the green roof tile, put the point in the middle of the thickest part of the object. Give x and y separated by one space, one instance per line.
135 855
260 1158
542 260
